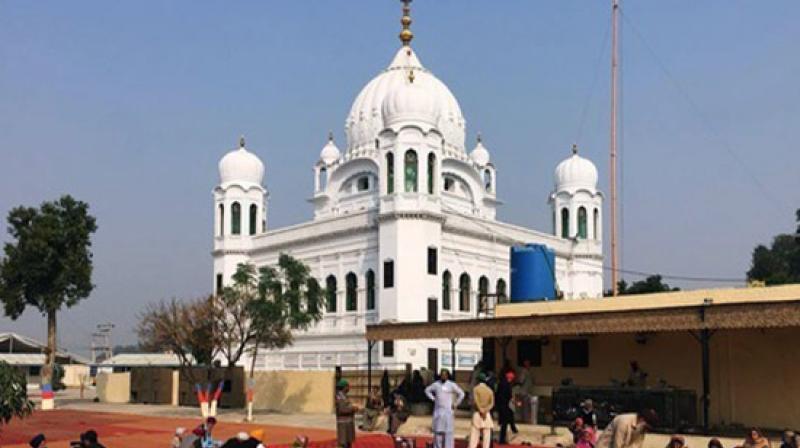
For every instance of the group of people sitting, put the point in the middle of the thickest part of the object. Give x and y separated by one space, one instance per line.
202 437
88 439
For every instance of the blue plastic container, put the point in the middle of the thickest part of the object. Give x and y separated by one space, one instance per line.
532 273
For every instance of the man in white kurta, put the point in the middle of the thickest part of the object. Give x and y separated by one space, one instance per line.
446 396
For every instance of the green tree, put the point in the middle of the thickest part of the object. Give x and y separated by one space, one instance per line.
48 263
651 284
779 263
14 400
262 307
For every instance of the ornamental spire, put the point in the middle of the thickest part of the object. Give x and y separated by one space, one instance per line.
574 148
406 35
330 136
241 142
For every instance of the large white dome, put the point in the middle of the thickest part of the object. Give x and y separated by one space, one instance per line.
366 119
575 172
241 166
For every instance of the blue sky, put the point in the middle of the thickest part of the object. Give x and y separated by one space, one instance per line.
129 106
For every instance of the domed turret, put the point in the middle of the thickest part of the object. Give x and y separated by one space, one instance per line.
480 155
575 172
330 152
241 166
410 102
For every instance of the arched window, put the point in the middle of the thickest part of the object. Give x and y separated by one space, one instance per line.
447 286
236 219
500 289
411 171
487 180
389 173
312 286
483 292
351 293
221 220
464 294
596 224
431 171
564 223
370 289
582 225
330 294
323 178
253 219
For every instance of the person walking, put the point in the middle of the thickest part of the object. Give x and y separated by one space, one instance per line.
482 424
505 410
627 430
345 415
446 396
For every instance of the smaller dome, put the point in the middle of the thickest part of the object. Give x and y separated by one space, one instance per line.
575 172
330 153
480 155
241 166
410 102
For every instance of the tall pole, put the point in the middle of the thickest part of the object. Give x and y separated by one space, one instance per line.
613 173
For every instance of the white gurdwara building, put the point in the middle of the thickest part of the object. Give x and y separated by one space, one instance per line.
404 225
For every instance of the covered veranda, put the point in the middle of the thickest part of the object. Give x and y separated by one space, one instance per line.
735 348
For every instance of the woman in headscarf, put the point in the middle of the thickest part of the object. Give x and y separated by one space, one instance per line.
755 439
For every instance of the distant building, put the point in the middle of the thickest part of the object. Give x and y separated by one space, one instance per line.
404 226
28 355
124 362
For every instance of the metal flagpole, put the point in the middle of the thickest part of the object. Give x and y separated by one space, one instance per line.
613 149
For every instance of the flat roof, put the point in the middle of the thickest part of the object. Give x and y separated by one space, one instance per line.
658 300
736 308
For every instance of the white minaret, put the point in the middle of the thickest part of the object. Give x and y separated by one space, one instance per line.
578 216
577 203
240 210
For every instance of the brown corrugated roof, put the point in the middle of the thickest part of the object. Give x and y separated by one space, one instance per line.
691 310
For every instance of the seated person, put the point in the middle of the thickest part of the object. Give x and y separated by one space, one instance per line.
373 411
398 414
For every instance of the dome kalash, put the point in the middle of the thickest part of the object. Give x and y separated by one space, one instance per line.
241 166
404 91
575 172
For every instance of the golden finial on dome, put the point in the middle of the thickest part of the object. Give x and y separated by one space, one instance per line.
574 148
241 141
406 35
479 138
330 136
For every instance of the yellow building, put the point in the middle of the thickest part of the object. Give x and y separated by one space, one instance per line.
746 338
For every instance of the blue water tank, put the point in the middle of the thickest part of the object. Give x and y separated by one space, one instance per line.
532 273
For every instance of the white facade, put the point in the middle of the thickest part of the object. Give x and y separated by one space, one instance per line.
409 215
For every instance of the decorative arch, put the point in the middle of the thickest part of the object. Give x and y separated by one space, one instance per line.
483 292
253 219
487 180
389 173
330 294
464 293
583 230
431 173
221 220
564 223
236 219
410 171
370 277
596 224
447 287
351 292
500 290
